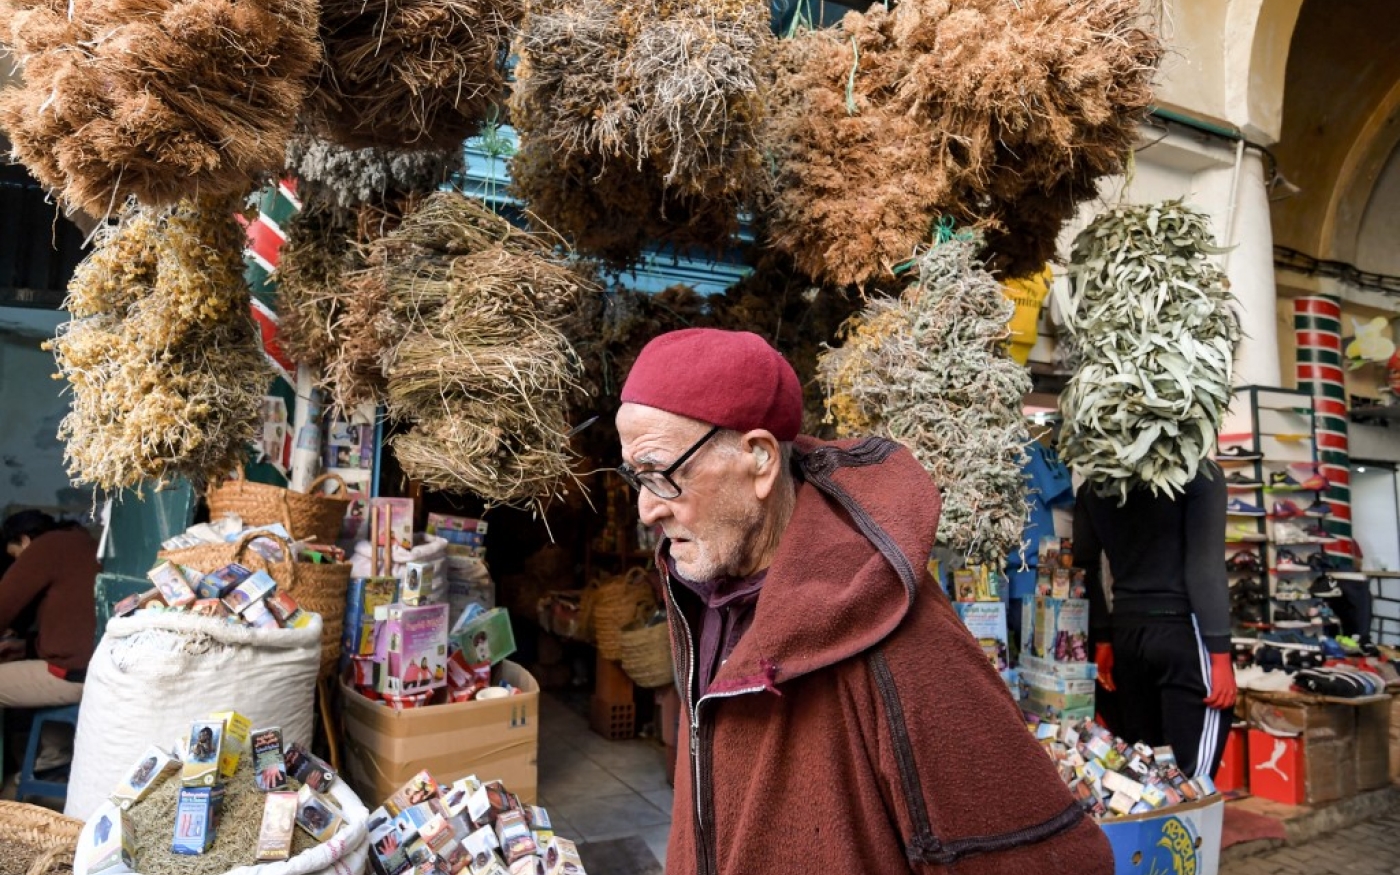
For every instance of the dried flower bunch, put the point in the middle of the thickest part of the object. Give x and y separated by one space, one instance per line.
639 119
155 98
1155 339
410 74
471 319
163 358
930 370
346 178
998 113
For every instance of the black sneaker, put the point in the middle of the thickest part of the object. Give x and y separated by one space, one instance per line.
1241 480
1324 587
1238 454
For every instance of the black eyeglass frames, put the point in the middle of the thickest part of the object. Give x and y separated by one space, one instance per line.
659 483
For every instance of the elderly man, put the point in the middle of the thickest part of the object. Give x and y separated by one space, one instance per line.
839 718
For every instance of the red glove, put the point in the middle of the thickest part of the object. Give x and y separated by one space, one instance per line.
1103 658
1222 682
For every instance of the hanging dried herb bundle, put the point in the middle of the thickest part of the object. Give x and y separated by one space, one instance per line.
930 370
410 74
1155 339
639 120
311 296
345 178
163 358
471 316
155 98
999 113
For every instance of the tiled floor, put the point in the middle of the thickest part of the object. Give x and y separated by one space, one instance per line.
596 789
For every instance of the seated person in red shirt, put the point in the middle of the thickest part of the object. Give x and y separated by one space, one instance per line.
51 581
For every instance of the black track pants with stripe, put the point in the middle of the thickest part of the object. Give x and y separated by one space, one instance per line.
1162 673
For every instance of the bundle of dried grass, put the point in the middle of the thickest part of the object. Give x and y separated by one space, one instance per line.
470 314
311 297
998 113
164 361
332 175
639 120
930 370
410 74
155 98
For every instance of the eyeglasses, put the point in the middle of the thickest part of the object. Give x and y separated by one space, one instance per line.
659 483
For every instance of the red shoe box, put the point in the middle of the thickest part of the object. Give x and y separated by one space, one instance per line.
1234 764
1276 767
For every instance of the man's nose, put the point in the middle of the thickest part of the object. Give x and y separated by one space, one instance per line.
650 509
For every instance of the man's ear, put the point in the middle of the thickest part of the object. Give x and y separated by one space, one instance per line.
764 454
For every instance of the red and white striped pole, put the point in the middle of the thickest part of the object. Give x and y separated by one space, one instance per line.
1317 322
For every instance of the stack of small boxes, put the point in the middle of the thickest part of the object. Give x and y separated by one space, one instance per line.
232 593
466 827
1111 777
1056 677
468 581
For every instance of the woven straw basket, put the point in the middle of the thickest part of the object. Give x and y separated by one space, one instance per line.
319 587
619 603
646 654
310 515
51 835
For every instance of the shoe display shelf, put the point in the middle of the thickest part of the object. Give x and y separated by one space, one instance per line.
1268 453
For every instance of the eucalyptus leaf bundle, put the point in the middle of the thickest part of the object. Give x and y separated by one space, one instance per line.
930 369
1155 338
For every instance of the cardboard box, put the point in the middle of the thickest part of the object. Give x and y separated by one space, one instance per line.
1058 629
1373 743
987 623
1071 671
1306 751
1183 838
495 739
1395 739
1056 698
1234 762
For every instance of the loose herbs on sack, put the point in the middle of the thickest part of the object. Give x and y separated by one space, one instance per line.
930 370
1155 339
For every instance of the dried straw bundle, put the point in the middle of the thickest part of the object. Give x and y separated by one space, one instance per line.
470 316
997 113
410 74
335 176
159 99
639 120
311 297
930 369
163 358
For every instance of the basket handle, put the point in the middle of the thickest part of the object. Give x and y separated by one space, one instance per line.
241 545
342 492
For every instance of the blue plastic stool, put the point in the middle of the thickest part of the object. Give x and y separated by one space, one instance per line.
28 784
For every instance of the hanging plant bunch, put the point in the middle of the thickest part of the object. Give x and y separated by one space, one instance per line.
346 178
639 120
472 315
155 99
1155 338
311 298
410 74
998 113
162 356
930 369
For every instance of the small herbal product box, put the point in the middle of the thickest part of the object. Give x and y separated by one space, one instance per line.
513 833
987 623
194 820
417 582
308 768
386 844
154 765
413 648
202 754
415 791
217 584
278 825
317 815
173 586
288 613
487 637
562 857
254 589
113 844
1060 629
236 729
365 596
269 767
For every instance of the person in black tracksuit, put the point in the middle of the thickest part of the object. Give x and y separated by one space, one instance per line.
1164 647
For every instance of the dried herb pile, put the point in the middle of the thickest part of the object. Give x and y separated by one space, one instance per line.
472 317
155 98
334 176
410 74
639 120
998 113
1154 338
930 370
164 361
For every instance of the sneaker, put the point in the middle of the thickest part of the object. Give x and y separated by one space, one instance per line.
1324 587
1281 481
1290 590
1244 533
1291 533
1320 561
1241 480
1349 645
1315 483
1327 682
1250 613
1333 649
1316 532
1287 561
1238 454
1284 509
1244 560
1238 507
1254 587
1318 509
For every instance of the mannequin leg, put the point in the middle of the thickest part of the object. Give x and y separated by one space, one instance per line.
1137 708
1181 670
